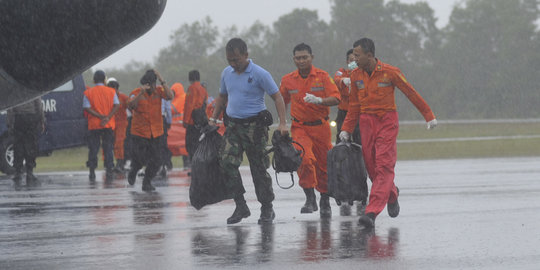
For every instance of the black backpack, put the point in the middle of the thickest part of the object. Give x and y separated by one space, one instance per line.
347 177
286 158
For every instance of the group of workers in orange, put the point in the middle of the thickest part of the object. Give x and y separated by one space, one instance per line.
364 93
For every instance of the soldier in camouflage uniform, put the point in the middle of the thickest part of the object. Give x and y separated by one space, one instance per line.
243 86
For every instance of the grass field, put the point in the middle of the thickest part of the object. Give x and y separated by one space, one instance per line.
447 141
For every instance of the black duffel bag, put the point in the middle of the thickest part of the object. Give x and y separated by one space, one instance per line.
207 184
286 158
347 177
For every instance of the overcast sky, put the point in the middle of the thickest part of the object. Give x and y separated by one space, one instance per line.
242 13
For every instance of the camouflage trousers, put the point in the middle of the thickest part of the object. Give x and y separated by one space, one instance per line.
251 138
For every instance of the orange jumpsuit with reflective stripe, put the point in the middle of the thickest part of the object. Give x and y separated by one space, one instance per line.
310 125
372 105
121 125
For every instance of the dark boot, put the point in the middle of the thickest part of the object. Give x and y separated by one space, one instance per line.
324 203
367 220
147 185
132 176
92 174
241 211
393 208
31 179
18 175
267 214
311 202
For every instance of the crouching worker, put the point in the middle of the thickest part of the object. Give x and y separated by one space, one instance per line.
147 127
243 86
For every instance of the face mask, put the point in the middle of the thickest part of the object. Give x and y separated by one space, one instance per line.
352 65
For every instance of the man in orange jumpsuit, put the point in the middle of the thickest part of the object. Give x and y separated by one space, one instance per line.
196 97
121 123
101 103
311 91
372 105
147 127
343 82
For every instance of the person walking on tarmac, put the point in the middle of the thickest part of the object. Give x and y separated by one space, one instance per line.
25 122
372 105
343 82
101 103
311 91
121 123
147 127
243 87
196 97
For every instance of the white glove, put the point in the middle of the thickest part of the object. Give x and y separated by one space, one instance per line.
309 98
344 136
432 124
346 81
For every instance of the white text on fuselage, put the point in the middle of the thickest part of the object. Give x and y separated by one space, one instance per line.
49 105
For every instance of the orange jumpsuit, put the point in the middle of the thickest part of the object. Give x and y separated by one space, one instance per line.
121 125
310 125
373 106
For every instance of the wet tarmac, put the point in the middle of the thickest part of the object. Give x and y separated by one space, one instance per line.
455 214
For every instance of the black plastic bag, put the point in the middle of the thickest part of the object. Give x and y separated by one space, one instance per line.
286 158
207 184
347 177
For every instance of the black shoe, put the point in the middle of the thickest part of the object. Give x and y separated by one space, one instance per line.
267 215
119 168
393 208
324 204
311 202
92 175
31 180
17 177
241 211
147 186
132 176
367 220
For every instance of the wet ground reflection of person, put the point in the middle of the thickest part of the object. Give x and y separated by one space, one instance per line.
354 242
233 248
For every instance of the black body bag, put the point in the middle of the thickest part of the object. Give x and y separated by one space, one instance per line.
207 184
347 173
286 158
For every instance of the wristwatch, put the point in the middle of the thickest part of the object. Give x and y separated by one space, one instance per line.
212 119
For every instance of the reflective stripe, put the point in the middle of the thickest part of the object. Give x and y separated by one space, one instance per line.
384 84
315 89
294 91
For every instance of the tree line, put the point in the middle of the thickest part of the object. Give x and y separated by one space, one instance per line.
485 63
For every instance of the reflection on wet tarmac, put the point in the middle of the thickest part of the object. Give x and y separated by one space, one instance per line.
147 208
68 224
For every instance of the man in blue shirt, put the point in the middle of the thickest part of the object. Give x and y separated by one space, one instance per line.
242 91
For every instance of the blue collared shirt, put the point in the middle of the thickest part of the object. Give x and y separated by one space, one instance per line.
246 91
